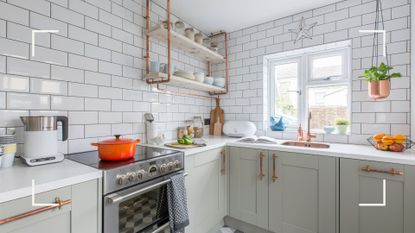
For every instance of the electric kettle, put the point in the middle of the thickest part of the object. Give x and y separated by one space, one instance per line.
41 139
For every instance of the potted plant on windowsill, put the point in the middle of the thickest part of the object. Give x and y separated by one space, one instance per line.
378 78
342 125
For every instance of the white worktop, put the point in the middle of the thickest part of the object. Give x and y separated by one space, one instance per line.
363 152
212 142
16 181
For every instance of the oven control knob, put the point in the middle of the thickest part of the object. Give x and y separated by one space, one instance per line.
163 168
170 165
152 171
131 176
140 174
177 164
122 179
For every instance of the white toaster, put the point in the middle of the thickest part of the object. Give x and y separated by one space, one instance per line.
239 128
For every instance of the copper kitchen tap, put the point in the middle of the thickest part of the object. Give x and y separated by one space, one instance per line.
309 135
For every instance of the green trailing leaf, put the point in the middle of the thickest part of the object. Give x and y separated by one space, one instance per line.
378 73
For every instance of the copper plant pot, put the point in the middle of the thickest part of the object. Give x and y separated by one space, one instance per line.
379 89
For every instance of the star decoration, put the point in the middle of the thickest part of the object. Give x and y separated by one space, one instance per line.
303 30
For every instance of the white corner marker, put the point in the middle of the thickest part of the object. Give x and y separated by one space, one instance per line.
34 35
33 198
383 204
378 31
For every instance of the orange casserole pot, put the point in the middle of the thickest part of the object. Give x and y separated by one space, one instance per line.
116 149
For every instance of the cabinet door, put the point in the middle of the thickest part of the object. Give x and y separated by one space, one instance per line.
207 190
55 220
82 215
302 193
358 186
249 186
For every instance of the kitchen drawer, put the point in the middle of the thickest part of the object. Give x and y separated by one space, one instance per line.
24 205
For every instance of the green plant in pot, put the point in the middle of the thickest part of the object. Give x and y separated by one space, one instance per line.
342 125
378 78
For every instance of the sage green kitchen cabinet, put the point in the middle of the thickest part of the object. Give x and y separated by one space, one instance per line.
361 182
207 190
249 186
82 215
302 193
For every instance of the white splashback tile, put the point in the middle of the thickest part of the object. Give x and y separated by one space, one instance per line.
14 83
50 56
2 100
67 74
97 130
82 118
2 64
13 48
28 68
42 86
11 118
67 103
27 101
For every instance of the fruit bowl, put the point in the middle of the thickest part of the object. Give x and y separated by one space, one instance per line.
390 144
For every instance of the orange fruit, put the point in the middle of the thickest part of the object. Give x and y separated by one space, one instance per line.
388 140
378 137
399 138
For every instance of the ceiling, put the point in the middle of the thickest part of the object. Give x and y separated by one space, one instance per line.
231 15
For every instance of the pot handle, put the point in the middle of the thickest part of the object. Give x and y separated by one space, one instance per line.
64 121
137 141
94 144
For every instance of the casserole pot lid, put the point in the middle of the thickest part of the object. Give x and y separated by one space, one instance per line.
118 141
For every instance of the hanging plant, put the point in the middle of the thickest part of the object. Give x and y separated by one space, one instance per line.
379 77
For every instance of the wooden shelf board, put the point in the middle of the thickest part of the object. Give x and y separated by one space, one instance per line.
184 43
187 83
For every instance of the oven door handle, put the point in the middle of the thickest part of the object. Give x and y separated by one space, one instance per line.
164 226
115 198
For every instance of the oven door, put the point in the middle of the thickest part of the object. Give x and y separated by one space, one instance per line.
139 209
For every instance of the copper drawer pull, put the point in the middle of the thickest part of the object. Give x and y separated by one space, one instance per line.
36 211
391 172
274 177
223 170
261 166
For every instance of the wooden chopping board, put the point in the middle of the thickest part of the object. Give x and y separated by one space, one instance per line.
182 146
216 113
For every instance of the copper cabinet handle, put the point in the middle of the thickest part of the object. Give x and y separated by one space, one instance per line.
261 165
391 172
223 170
274 177
58 201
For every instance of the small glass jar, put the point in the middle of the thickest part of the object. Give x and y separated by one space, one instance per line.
190 128
181 131
198 126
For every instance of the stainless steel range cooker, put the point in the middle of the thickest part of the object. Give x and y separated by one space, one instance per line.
134 191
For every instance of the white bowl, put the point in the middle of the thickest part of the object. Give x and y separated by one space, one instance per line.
208 80
199 76
329 129
219 82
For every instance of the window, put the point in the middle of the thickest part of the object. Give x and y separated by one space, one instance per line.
315 80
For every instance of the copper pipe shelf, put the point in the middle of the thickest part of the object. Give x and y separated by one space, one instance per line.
181 42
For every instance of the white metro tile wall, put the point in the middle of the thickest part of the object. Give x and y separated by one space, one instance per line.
336 22
91 71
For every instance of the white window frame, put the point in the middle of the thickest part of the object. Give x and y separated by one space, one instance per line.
304 58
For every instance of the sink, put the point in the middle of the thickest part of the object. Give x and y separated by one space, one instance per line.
306 144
